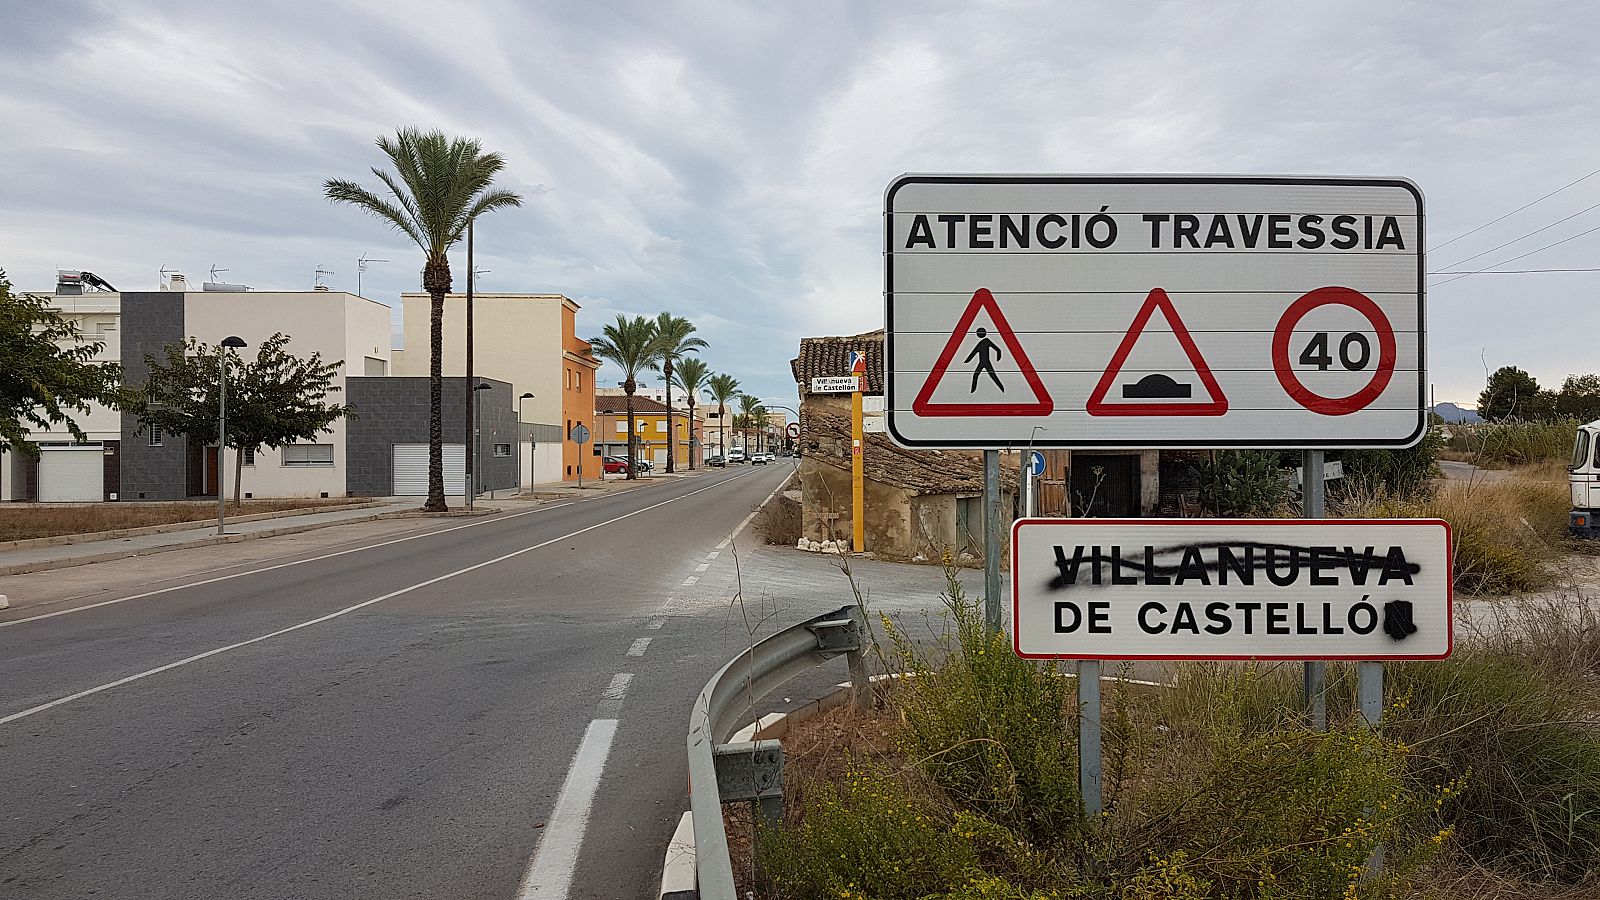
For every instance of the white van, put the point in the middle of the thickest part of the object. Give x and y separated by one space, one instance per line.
736 455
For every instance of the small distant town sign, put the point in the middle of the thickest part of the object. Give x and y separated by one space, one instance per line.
835 384
1124 311
1231 588
580 434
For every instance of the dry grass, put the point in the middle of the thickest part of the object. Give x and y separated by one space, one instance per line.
26 523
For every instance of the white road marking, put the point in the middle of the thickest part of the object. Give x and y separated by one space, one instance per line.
690 580
656 624
298 562
724 544
713 554
334 615
549 875
639 646
610 705
702 567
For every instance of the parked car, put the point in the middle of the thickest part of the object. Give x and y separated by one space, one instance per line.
618 465
716 462
736 455
758 459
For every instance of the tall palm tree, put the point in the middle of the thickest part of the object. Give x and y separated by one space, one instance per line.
691 375
722 388
747 413
674 338
631 344
442 185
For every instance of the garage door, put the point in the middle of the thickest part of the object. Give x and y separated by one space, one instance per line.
72 474
411 470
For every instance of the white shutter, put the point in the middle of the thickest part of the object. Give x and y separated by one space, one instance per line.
411 470
73 474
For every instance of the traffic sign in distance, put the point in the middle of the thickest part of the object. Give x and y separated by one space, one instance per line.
1232 588
1154 311
836 384
580 434
792 430
1036 463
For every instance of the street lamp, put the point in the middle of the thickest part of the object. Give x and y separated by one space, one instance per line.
235 342
528 395
477 428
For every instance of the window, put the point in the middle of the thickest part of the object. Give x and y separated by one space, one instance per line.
373 367
155 436
577 378
622 426
250 456
502 449
308 455
661 425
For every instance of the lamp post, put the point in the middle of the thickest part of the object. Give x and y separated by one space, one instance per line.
235 342
528 395
472 487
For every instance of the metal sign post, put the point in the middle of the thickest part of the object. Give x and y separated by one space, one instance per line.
580 436
991 540
1315 687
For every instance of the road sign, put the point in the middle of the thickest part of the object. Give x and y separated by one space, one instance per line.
1367 589
792 430
1036 463
1154 311
835 384
580 434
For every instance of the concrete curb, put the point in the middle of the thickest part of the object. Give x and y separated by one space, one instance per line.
62 540
112 555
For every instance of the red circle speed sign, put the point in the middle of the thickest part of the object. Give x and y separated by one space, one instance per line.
1333 406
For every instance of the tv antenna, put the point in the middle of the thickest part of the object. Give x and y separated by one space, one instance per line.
361 266
316 283
216 271
167 273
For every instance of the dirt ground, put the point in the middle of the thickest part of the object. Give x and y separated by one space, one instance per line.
20 523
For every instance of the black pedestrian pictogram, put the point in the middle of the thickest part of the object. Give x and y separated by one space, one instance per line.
982 351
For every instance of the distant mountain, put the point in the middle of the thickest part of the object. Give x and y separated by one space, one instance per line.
1455 415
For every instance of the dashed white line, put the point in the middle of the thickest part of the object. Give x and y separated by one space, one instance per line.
656 624
702 567
713 554
550 873
639 646
611 698
690 580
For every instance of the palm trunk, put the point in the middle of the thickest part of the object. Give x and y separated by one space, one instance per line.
722 431
628 387
672 437
472 385
691 431
436 281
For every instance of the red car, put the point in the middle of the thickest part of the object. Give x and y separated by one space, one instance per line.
618 465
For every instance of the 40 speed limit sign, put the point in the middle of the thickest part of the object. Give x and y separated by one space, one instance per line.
1154 311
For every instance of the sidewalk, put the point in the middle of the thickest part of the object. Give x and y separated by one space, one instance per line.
40 559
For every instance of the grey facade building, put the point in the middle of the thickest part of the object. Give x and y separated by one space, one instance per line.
153 467
394 410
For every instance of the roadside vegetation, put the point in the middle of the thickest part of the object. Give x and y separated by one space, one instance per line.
29 522
1483 780
1512 442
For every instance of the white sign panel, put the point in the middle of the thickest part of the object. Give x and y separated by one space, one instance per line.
1154 311
835 384
1231 588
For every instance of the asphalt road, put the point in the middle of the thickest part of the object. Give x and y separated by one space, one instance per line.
397 720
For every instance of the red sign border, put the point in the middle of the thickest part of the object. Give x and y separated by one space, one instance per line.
924 405
1449 603
1284 369
1097 405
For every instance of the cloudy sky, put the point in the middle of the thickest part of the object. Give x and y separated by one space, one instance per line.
727 161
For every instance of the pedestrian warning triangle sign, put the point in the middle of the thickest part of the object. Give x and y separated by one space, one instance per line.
1165 389
983 302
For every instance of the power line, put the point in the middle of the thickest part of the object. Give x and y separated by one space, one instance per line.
1528 235
1517 210
1513 271
1515 258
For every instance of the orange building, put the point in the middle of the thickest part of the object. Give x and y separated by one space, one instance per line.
577 396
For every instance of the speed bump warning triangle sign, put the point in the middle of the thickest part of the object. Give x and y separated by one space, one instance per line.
983 302
1158 392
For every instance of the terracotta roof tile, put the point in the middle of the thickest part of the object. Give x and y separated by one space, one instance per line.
822 356
606 403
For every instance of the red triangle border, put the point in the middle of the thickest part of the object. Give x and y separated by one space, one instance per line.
982 299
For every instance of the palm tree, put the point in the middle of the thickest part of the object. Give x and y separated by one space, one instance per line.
747 413
691 375
673 339
631 344
442 185
722 388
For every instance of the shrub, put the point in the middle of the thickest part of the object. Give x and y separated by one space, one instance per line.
1512 442
1242 483
992 730
1400 472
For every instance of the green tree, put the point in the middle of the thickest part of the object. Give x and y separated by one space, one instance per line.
48 371
748 406
630 344
691 374
722 388
674 338
442 184
1510 393
273 399
1579 398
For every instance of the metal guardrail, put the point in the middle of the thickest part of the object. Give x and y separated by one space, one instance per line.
725 705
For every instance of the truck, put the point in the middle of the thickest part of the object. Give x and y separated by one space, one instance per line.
1583 477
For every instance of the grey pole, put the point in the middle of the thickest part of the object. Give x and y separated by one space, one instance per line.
1315 678
222 439
1089 738
991 539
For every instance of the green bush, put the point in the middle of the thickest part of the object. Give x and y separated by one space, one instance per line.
1512 442
994 731
1400 472
1242 483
